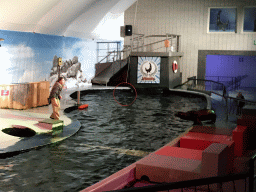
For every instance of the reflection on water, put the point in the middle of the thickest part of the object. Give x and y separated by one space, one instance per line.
111 138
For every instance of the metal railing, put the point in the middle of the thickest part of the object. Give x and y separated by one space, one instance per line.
155 43
231 83
152 43
104 48
202 85
212 87
142 43
196 183
116 55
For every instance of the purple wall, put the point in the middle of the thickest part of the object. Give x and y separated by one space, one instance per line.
232 66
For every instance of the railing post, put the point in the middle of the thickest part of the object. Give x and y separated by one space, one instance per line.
78 96
166 48
172 45
178 43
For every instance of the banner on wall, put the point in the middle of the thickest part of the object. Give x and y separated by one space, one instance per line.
148 70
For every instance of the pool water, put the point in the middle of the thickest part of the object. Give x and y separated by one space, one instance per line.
111 137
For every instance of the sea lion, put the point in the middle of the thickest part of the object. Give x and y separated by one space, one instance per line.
198 116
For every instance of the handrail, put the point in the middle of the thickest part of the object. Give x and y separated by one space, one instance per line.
151 44
174 42
96 74
186 184
200 182
106 56
222 95
199 80
237 99
142 37
167 35
229 101
232 82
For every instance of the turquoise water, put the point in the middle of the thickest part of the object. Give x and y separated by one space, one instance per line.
111 137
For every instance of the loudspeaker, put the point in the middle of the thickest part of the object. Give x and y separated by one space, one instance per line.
128 30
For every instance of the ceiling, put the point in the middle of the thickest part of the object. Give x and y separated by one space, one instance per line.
70 18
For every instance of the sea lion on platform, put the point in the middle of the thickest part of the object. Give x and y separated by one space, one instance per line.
198 116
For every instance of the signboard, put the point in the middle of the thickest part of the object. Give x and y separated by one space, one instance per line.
148 70
59 61
5 92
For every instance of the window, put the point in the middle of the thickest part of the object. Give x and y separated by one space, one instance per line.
249 19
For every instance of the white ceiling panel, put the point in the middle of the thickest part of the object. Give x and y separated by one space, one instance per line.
75 18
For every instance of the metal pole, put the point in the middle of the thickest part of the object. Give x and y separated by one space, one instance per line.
178 44
134 22
166 46
58 68
78 95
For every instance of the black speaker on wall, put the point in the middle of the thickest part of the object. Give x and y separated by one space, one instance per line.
128 30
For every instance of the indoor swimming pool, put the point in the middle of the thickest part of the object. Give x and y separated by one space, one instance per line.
111 137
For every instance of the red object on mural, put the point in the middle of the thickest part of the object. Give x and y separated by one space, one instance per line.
5 92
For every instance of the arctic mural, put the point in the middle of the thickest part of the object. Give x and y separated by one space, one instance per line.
30 57
70 69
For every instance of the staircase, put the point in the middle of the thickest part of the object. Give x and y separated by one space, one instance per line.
115 69
110 73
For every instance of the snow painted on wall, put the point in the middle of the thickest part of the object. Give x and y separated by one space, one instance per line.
28 57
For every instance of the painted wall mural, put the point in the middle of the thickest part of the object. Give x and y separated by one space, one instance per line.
70 69
222 20
30 57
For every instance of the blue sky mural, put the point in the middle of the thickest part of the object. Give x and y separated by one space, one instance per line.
28 57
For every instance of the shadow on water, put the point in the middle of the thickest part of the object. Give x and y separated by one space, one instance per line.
111 137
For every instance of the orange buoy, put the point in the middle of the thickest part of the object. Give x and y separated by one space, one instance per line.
81 107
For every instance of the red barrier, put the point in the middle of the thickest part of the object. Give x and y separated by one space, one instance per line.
180 152
201 141
239 136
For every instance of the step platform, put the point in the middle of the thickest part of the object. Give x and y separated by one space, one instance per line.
51 124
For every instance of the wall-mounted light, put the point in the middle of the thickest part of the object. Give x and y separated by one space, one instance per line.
1 39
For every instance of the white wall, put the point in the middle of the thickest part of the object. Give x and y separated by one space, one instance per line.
189 18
